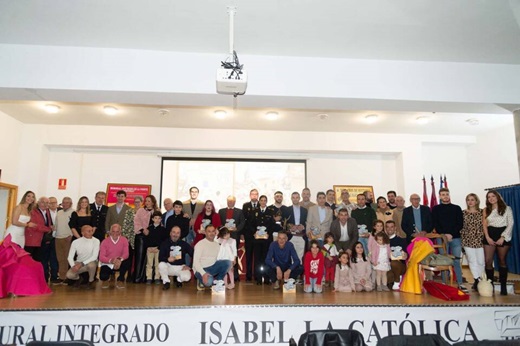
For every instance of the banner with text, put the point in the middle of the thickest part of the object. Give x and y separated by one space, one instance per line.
249 325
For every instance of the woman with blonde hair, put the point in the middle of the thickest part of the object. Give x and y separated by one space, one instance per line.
21 218
80 217
471 236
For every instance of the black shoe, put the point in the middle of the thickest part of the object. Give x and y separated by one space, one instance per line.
77 283
166 286
158 282
475 285
248 280
56 281
259 283
178 284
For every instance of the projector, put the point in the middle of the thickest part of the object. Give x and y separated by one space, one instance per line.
231 81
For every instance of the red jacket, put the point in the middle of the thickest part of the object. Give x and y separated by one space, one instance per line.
313 267
34 235
215 221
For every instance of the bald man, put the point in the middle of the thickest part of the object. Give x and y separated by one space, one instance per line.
417 219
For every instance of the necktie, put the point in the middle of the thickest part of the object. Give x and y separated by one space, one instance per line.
98 208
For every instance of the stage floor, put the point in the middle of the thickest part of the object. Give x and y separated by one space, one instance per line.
152 296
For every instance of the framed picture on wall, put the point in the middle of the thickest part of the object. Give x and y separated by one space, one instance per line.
353 190
132 190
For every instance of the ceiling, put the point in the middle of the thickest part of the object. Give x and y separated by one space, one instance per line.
470 31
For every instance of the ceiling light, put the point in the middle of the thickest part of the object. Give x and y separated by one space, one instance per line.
163 112
422 120
220 114
322 116
371 118
271 115
109 110
50 108
472 121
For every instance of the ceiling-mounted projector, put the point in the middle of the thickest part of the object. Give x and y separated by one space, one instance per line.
231 81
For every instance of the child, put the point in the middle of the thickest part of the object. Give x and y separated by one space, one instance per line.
227 251
153 237
343 281
379 247
331 258
313 268
377 227
361 269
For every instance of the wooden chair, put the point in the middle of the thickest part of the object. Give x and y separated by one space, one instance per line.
437 245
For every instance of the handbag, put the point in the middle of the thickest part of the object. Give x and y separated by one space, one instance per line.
434 260
485 287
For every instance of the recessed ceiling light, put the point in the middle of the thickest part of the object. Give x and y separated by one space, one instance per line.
472 121
220 114
322 116
163 112
50 108
422 120
371 118
271 115
110 110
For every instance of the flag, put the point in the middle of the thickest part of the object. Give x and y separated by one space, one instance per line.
442 182
424 193
433 200
445 181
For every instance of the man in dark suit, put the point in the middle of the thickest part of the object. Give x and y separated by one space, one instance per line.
233 218
99 211
249 230
345 231
295 219
417 219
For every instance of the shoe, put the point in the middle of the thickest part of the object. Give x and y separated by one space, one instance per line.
65 282
218 286
77 283
105 284
474 287
120 284
276 285
325 284
385 288
396 286
158 282
299 282
230 286
200 286
148 282
463 289
178 284
56 281
259 282
166 286
379 288
91 285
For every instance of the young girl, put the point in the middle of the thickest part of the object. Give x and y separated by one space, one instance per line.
343 281
379 247
313 268
377 227
330 252
227 251
361 269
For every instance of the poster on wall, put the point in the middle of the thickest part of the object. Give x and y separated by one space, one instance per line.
132 190
353 191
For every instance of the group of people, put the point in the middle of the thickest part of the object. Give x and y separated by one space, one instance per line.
348 246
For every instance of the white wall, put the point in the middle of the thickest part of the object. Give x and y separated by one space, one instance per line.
89 157
11 132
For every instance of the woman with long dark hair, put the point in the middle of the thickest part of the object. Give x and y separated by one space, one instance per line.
498 229
142 220
207 216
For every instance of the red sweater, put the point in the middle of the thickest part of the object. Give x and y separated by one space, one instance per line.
108 250
215 221
313 267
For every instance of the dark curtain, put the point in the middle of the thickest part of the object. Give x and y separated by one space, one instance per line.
511 195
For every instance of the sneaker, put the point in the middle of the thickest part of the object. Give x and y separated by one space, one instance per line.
56 281
299 282
200 286
385 288
379 288
105 284
290 284
166 286
276 285
463 289
396 286
218 286
120 284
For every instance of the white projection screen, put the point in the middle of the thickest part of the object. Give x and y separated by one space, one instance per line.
219 178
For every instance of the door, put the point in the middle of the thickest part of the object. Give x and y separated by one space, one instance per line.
8 195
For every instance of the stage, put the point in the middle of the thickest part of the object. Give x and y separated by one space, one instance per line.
144 314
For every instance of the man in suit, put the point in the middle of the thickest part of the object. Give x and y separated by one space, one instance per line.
192 207
99 211
168 205
235 226
249 209
38 238
331 202
345 231
306 198
276 210
319 219
116 213
295 219
417 219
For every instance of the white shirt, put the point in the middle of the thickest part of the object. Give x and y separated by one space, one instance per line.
205 255
297 213
344 232
86 249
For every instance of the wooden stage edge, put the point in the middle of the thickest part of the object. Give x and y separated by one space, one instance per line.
143 296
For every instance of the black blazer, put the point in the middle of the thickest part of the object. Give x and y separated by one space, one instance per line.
99 218
408 222
288 218
238 215
249 214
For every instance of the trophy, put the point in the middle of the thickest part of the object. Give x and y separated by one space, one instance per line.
261 233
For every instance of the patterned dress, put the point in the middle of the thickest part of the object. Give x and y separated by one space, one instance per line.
472 232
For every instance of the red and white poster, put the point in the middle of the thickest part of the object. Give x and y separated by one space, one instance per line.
132 190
